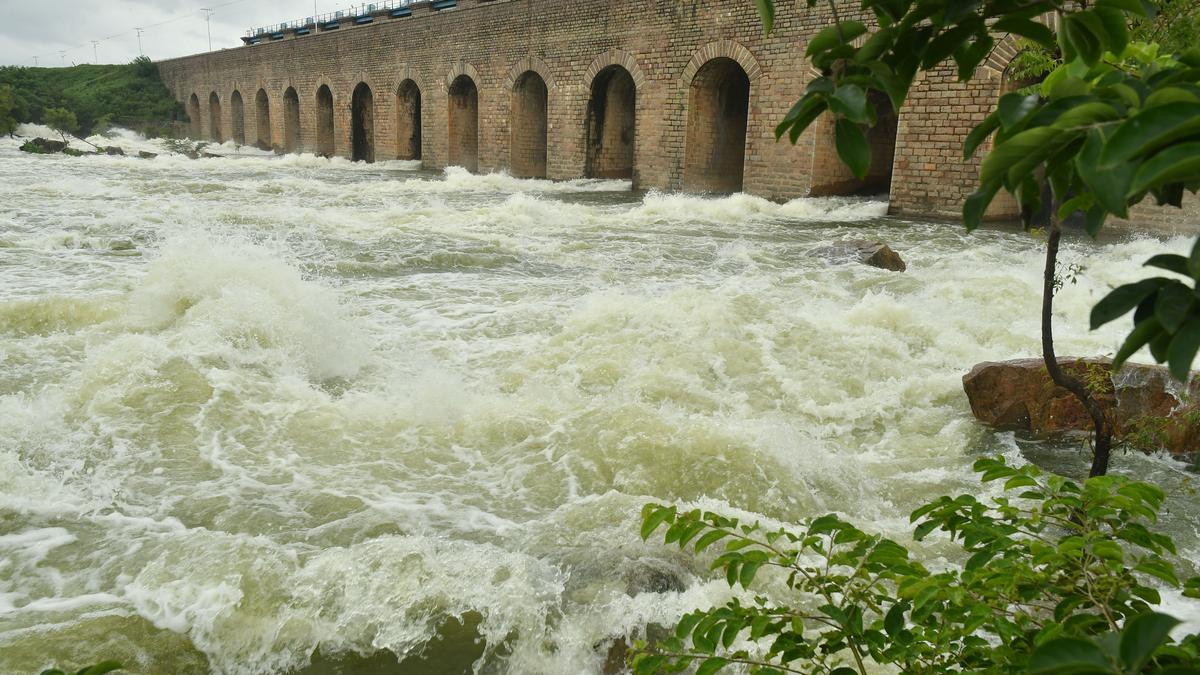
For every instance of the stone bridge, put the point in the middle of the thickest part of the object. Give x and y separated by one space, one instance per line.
673 94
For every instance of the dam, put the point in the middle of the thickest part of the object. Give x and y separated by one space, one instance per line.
672 95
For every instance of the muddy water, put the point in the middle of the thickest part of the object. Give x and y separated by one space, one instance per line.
266 415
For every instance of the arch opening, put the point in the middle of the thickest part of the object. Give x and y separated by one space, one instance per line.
362 127
718 106
324 121
528 124
262 109
238 113
611 125
214 118
291 120
193 112
831 176
408 121
464 123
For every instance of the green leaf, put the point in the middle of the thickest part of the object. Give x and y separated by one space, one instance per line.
766 12
1122 299
1143 333
1068 655
709 538
835 35
1172 305
850 101
1177 163
977 203
747 574
980 134
712 665
1142 636
893 622
1031 30
1171 263
1159 569
1034 142
657 515
1107 185
1182 351
852 147
1113 23
1014 108
1150 129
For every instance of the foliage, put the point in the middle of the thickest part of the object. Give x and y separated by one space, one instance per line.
132 94
8 104
97 669
1174 27
1060 577
61 120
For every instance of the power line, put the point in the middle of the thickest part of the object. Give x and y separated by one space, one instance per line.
139 31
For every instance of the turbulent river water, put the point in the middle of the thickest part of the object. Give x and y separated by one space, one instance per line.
267 415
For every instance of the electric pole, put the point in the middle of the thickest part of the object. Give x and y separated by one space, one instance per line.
95 53
139 32
63 57
35 63
208 20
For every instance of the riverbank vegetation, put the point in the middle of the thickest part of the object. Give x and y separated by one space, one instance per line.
1059 576
130 95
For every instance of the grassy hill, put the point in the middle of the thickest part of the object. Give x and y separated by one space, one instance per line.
132 95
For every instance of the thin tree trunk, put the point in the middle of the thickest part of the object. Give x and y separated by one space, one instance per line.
1071 384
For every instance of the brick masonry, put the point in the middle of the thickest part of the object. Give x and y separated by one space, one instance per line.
671 49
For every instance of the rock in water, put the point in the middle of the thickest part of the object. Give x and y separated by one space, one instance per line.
43 146
114 150
873 253
1150 409
147 155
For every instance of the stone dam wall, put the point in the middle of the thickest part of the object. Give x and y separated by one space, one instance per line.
675 95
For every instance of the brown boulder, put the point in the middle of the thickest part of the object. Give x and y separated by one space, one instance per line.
1149 409
873 253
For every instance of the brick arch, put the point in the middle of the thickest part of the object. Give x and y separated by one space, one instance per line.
460 68
1002 55
615 57
722 48
526 64
406 72
316 86
462 122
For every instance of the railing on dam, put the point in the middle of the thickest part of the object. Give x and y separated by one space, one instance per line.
357 15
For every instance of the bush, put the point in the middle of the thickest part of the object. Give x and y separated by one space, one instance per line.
1059 577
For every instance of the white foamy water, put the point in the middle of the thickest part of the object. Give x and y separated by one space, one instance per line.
267 415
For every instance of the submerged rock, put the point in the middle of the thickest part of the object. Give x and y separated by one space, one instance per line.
43 146
1149 408
144 154
114 150
873 253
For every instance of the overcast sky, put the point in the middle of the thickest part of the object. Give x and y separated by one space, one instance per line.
43 28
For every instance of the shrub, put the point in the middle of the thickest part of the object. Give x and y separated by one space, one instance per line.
1059 577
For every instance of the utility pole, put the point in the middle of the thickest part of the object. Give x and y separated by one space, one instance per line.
139 32
208 20
95 53
63 57
35 63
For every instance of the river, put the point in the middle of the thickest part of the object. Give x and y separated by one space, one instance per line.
267 415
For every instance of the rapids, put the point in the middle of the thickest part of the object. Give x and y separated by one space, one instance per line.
267 415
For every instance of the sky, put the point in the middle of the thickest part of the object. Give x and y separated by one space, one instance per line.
45 28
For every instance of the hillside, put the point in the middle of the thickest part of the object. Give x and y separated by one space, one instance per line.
131 94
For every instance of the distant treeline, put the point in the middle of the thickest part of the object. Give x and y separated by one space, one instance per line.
129 95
